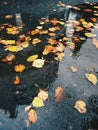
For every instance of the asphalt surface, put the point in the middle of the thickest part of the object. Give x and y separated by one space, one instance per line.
53 116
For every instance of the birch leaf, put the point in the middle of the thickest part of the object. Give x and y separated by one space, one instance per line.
43 94
38 63
32 116
32 58
37 102
80 106
92 78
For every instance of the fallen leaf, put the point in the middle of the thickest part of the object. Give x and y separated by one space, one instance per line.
48 49
32 116
19 68
43 32
10 57
73 69
54 21
36 41
38 63
5 3
43 94
90 35
52 41
11 48
59 94
34 32
27 123
80 106
27 108
95 42
8 16
38 102
17 80
92 78
32 58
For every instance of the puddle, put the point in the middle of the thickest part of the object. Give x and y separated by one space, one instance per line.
73 34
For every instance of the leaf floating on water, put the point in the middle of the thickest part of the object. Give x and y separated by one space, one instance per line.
38 63
38 102
80 106
10 57
48 49
32 58
54 21
95 42
43 94
11 48
59 94
19 68
27 108
90 35
92 78
17 80
73 69
36 41
8 16
32 116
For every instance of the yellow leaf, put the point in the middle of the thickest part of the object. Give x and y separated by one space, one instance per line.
32 58
10 41
43 94
90 35
37 102
62 23
80 106
92 78
12 48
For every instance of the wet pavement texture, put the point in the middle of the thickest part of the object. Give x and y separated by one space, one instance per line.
53 116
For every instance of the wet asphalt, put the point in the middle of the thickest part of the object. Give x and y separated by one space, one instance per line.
58 116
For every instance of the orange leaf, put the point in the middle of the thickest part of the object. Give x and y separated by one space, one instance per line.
4 60
36 41
19 68
95 42
59 94
32 116
52 41
48 49
54 21
17 80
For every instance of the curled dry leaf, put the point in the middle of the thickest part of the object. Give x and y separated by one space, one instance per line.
73 69
59 94
92 78
80 106
38 102
32 58
19 68
43 94
17 80
32 116
38 63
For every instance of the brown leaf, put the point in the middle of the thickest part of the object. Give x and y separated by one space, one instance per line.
32 116
59 94
95 42
73 69
52 41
